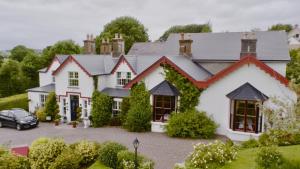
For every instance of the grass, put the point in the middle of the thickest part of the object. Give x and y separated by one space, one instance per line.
15 101
98 165
246 158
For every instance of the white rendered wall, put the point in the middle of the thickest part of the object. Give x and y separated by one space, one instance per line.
46 78
213 100
34 101
154 78
278 67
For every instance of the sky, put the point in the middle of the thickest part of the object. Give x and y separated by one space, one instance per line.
40 23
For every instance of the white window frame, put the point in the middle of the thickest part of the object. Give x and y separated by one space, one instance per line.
43 98
123 78
116 107
73 79
85 108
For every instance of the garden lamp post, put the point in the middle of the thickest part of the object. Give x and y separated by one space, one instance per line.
136 146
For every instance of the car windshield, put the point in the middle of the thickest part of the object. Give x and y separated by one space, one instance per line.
21 113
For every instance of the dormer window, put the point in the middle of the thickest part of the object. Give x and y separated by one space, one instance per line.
73 79
123 78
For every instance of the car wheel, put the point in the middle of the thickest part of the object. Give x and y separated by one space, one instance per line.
19 127
1 124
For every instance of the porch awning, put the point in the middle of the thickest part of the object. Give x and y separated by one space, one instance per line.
247 92
165 88
116 92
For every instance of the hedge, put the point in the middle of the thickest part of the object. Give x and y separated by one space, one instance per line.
15 101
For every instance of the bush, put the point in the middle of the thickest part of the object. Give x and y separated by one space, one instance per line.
10 161
269 157
101 109
192 124
279 137
140 113
51 106
88 151
126 159
211 155
16 101
125 105
44 151
68 159
251 143
108 154
41 115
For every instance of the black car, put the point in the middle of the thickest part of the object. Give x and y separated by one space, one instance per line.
17 118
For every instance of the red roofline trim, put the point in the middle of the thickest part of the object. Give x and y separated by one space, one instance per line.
66 61
55 58
122 59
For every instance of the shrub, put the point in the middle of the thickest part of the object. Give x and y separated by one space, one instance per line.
101 109
108 153
192 124
279 137
10 161
88 151
139 114
51 106
68 159
41 115
125 105
126 159
15 101
44 151
251 143
269 157
211 155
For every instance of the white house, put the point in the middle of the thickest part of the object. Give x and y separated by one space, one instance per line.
238 72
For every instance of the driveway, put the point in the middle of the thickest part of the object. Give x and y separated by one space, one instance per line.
165 151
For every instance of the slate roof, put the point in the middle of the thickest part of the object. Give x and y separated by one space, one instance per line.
165 88
116 92
247 92
47 88
271 45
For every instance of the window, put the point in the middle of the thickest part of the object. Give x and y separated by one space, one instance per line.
53 79
84 108
43 99
123 78
73 79
116 107
163 106
64 107
246 116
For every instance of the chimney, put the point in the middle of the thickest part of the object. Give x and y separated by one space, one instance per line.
105 47
118 45
89 45
185 45
248 44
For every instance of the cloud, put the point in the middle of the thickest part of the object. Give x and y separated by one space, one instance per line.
39 23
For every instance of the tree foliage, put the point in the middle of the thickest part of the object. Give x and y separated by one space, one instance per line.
101 109
1 58
280 27
139 114
130 28
51 106
125 105
19 52
30 66
293 67
191 28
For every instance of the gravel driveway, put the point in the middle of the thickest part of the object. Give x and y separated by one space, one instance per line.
165 151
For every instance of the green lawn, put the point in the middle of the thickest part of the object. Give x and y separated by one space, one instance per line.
15 101
98 165
246 158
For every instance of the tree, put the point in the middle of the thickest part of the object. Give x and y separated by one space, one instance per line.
125 105
280 27
12 79
192 28
130 28
30 66
65 47
19 52
139 114
51 106
101 109
1 58
293 67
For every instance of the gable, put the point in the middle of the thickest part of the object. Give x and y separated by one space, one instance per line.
123 65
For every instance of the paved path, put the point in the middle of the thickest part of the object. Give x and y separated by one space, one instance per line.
165 151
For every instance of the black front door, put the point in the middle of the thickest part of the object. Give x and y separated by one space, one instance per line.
74 106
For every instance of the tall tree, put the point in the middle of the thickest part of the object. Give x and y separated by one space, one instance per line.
1 58
281 27
19 52
65 47
12 79
130 28
293 67
191 28
30 66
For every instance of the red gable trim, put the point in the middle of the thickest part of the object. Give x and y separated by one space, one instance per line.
68 60
245 60
55 58
21 151
121 60
162 60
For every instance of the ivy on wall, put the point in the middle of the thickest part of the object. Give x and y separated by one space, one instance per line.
95 79
189 93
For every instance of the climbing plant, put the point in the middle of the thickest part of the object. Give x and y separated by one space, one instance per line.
189 93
